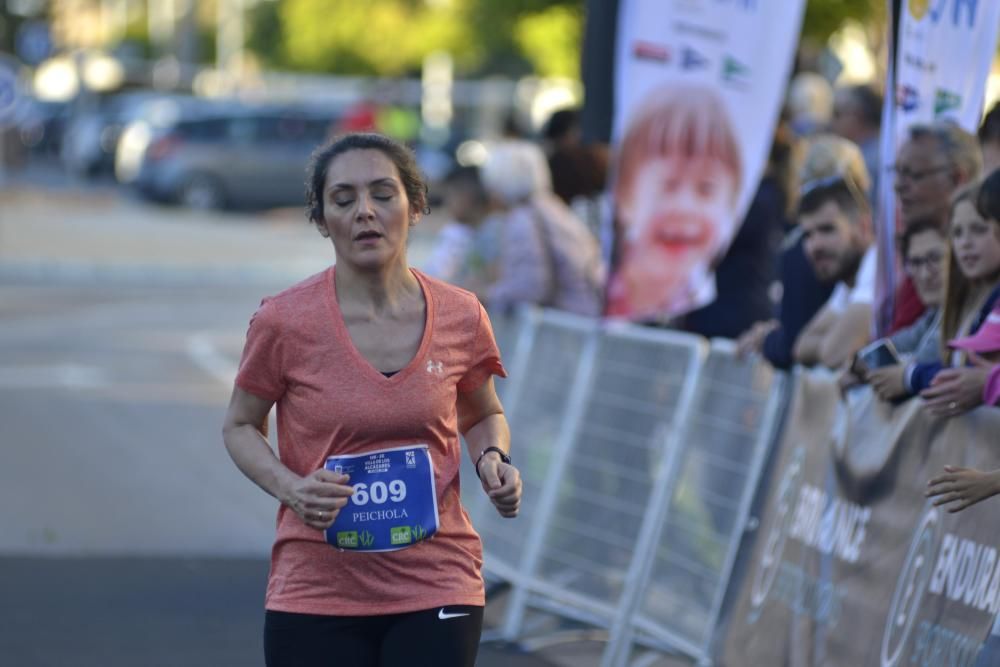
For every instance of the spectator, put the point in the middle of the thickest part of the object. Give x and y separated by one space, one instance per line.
924 248
547 255
989 139
930 166
810 102
466 202
857 116
836 230
962 487
802 293
973 289
578 171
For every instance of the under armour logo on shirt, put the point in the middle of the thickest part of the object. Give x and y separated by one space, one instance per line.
435 367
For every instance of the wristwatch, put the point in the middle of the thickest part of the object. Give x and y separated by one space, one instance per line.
504 456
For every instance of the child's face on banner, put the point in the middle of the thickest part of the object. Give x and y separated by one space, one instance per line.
679 215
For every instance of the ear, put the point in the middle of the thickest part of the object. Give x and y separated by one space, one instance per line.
323 231
415 217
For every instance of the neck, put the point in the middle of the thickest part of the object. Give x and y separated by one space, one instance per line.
382 290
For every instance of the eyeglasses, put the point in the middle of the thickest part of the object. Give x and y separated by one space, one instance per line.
931 261
915 175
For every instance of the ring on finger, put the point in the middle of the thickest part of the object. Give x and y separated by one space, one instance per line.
953 405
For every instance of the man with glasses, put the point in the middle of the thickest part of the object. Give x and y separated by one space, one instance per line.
836 228
932 164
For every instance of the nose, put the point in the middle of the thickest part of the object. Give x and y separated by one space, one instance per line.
365 211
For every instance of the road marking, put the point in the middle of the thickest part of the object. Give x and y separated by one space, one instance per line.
71 376
207 357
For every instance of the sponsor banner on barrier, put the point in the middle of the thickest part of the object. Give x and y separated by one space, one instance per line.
699 85
944 51
851 564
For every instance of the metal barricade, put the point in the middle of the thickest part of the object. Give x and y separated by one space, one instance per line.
537 401
678 593
635 387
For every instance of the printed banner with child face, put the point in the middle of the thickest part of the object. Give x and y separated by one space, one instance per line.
699 86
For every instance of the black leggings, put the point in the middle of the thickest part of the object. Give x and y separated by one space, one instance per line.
438 637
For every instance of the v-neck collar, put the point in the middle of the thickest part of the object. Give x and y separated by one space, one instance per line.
341 326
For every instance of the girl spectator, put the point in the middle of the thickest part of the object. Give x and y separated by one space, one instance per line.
972 280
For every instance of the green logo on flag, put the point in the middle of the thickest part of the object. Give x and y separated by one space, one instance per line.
419 533
366 538
733 69
945 100
347 539
400 535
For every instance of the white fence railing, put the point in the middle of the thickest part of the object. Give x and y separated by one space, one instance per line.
640 450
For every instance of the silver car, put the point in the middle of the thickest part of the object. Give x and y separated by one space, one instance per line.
208 160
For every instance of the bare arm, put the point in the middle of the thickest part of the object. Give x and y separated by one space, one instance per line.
481 420
848 334
810 341
316 498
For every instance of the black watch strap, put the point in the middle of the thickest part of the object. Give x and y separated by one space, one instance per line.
504 456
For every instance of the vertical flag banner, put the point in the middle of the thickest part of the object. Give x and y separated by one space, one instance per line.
943 53
699 87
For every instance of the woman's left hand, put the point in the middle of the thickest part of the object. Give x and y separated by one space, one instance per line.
502 483
957 390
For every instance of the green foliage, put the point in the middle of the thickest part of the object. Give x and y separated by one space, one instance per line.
825 17
515 37
392 37
551 40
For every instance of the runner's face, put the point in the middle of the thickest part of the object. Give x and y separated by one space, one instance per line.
366 212
678 216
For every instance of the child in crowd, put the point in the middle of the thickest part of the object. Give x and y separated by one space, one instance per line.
961 487
453 256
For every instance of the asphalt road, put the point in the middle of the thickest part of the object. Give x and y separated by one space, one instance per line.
129 538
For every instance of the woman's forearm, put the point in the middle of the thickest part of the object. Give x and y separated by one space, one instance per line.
252 454
491 431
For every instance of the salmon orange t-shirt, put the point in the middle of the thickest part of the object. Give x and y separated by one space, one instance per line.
330 400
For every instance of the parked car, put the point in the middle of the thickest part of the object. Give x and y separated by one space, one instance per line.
207 159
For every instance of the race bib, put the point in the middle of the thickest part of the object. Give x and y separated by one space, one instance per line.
394 504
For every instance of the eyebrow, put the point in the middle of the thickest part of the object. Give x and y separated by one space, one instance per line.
377 181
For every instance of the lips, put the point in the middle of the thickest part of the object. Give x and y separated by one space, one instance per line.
968 260
367 235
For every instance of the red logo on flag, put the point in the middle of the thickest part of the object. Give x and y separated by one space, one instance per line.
650 51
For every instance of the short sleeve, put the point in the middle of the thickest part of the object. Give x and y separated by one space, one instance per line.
260 371
485 359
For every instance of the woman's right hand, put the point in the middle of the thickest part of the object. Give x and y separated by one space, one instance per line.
318 497
889 382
